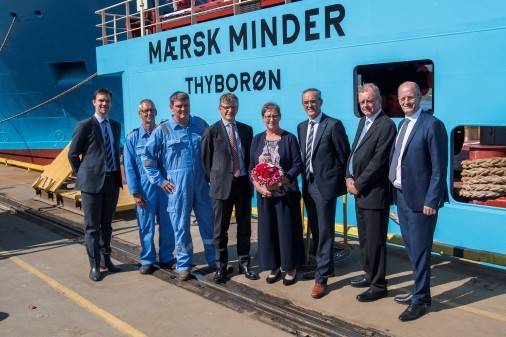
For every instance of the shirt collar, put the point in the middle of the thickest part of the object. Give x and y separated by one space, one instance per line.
227 122
372 118
415 116
172 123
143 132
100 119
317 119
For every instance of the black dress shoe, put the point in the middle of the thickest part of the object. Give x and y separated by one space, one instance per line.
166 265
221 275
371 295
109 265
414 311
403 298
289 281
248 273
147 269
273 277
95 274
361 282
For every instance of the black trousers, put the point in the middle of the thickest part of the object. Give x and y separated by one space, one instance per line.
280 242
241 199
98 211
372 234
321 214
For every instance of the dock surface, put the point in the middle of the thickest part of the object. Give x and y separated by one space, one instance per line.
45 288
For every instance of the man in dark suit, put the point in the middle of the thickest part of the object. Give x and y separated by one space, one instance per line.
418 164
325 150
94 157
225 155
367 180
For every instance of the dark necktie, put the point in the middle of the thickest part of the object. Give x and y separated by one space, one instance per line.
309 149
236 167
392 173
108 148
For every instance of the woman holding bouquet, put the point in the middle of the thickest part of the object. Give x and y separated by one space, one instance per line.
275 164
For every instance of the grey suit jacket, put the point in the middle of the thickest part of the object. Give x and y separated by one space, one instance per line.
330 155
87 155
217 158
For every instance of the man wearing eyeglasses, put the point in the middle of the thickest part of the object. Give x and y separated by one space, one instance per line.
225 155
325 150
418 164
151 202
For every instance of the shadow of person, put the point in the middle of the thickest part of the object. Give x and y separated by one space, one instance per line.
3 315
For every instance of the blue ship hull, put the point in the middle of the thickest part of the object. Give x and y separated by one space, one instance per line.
50 48
274 54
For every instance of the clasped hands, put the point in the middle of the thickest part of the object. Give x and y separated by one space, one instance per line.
350 186
266 191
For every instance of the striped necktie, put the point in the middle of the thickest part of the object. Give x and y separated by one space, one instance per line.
309 149
236 167
108 146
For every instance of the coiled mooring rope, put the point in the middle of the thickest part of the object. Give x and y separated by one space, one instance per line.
484 178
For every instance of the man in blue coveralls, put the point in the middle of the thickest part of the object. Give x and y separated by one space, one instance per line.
175 144
151 201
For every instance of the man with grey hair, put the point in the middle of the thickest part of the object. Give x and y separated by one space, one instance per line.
367 180
151 202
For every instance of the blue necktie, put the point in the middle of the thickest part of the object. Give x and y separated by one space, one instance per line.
108 147
392 173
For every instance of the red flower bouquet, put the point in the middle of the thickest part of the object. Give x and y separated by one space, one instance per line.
267 174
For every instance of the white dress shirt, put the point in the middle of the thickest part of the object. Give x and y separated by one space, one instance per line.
412 120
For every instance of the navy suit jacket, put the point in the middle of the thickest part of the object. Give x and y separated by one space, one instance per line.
87 155
331 150
424 164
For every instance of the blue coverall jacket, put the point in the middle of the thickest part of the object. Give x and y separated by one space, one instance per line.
177 150
154 198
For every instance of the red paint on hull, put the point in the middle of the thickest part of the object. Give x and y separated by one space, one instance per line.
39 157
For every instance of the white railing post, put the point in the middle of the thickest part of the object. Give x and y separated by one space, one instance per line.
141 12
127 20
157 16
115 28
192 13
234 7
104 29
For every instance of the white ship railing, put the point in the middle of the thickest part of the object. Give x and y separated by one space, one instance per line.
133 18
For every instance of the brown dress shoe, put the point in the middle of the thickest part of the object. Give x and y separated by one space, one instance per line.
319 290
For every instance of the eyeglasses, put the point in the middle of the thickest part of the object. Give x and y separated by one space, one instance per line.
148 110
310 102
410 99
271 116
228 107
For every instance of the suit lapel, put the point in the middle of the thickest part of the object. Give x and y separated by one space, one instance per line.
361 125
303 136
97 130
371 130
418 125
242 135
319 132
223 132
